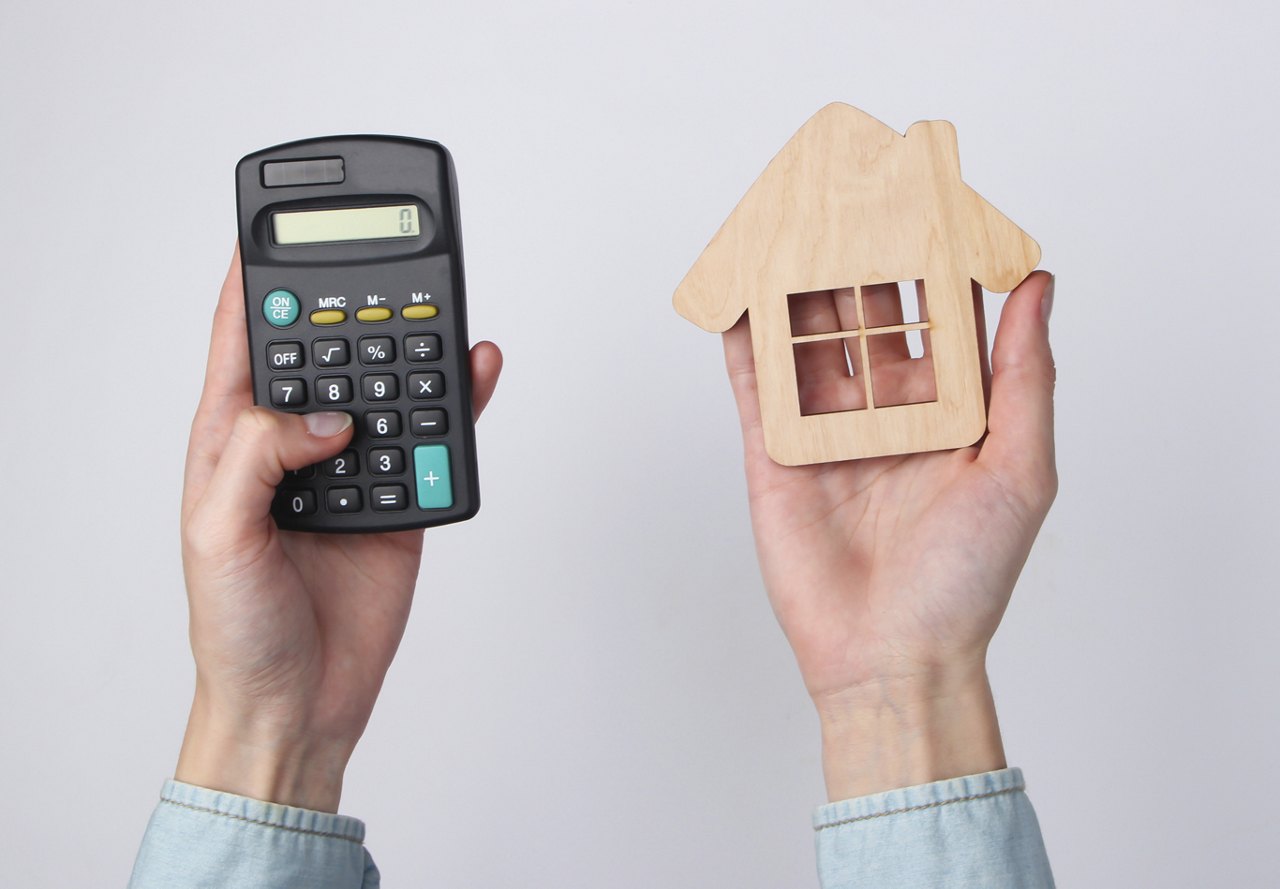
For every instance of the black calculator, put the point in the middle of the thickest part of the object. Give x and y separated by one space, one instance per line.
355 302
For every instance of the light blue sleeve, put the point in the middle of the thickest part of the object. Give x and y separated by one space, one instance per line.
964 833
203 838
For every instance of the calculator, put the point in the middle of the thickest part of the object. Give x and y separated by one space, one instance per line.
355 302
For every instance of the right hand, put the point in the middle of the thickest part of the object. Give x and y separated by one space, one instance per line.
292 632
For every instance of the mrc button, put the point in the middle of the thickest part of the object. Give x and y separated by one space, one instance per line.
280 308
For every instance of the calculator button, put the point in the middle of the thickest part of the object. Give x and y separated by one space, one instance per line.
344 465
419 312
422 347
426 384
325 317
433 422
380 387
382 424
296 502
377 350
343 499
371 314
386 461
333 390
284 356
305 472
431 467
331 353
389 497
288 393
281 308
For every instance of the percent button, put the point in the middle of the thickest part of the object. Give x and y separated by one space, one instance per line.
377 350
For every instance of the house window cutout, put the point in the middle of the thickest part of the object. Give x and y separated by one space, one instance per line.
862 348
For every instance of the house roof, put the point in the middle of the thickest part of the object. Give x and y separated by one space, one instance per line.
848 200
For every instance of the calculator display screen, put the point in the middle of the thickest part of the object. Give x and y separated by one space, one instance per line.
347 224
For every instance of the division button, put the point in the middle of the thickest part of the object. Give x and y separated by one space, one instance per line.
387 498
377 350
284 356
281 308
435 485
426 384
422 347
331 353
343 499
325 317
420 312
432 422
288 393
371 314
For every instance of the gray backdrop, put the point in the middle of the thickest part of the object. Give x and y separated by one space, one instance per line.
592 690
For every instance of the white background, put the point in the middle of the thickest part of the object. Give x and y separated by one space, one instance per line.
592 691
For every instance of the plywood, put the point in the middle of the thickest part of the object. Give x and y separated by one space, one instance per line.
849 207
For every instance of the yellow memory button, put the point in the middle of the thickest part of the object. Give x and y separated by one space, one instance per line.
373 313
420 312
328 316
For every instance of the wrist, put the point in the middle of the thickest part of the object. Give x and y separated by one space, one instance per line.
905 731
253 757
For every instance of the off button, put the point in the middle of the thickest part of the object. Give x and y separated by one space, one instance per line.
281 308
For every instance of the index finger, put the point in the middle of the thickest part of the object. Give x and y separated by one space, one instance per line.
228 384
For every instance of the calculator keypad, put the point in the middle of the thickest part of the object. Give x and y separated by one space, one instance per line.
387 463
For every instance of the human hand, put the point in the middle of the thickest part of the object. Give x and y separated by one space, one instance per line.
292 632
889 576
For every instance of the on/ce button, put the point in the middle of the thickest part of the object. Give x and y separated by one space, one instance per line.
281 308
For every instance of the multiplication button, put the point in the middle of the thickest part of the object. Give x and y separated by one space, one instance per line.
426 384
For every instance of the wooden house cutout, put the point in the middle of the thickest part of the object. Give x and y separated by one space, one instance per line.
849 204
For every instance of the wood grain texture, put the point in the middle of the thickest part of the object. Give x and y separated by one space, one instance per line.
849 203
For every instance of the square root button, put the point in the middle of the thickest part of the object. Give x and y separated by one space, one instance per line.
435 484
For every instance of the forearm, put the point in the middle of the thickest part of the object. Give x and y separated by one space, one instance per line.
903 732
261 758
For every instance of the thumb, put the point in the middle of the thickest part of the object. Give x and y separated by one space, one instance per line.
1019 445
263 445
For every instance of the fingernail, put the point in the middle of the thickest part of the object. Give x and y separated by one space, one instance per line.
1046 301
326 424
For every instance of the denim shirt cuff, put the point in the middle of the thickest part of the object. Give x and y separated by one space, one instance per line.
921 797
265 814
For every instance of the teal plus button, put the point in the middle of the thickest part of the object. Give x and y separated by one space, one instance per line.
435 486
281 308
